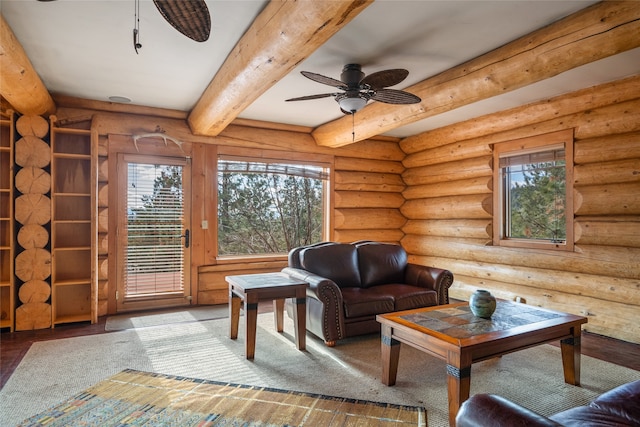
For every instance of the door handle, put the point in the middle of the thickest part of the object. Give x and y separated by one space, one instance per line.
186 238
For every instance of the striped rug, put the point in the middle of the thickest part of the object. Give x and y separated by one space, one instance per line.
134 398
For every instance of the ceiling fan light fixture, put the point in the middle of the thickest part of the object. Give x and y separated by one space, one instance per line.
352 104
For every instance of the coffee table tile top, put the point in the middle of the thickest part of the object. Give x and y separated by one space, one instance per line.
459 322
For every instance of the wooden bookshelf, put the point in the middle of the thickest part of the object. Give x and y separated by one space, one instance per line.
73 225
7 234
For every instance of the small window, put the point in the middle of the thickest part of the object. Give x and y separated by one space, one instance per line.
533 196
270 206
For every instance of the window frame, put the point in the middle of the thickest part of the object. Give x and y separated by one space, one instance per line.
532 144
269 156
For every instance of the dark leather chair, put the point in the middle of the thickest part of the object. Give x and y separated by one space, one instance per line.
618 407
351 283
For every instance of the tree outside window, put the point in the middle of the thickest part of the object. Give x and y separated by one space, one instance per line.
269 208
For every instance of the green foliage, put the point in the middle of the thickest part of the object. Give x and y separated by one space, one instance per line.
537 203
260 213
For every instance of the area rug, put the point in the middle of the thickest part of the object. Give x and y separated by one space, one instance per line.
143 398
120 322
53 370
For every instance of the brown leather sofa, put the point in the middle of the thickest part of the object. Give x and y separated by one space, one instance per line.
618 407
350 283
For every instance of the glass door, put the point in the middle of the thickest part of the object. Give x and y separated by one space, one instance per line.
153 232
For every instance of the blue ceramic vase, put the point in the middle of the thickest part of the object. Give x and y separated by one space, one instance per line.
482 304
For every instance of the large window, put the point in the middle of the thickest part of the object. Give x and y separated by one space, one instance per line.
533 196
269 206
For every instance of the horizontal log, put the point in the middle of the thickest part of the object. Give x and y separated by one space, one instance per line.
618 199
103 195
368 165
607 288
32 151
34 125
34 291
33 180
371 219
526 115
598 260
607 233
368 181
465 228
618 147
103 146
475 206
380 235
103 268
613 172
450 171
447 153
103 220
618 118
367 199
33 315
480 185
103 169
103 289
33 264
33 236
33 209
103 244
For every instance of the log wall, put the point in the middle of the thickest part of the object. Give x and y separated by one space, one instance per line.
448 207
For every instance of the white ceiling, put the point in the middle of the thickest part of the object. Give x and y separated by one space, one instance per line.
84 48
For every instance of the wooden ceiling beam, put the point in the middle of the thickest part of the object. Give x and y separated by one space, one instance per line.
20 84
594 33
283 35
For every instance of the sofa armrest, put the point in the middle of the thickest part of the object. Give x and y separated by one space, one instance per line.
432 278
328 294
489 410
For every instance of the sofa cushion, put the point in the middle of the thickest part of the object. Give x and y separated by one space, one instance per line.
338 262
360 302
381 263
407 297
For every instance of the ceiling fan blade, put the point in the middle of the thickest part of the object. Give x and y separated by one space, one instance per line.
304 98
382 79
392 96
190 17
324 79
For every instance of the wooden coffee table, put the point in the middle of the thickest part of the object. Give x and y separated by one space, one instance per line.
252 288
452 333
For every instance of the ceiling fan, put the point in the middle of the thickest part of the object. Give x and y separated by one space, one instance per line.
358 89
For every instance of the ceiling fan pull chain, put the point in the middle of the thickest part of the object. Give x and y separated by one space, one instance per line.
136 26
353 126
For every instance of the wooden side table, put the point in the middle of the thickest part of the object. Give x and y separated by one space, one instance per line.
252 288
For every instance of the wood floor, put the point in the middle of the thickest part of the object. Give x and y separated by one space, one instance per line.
14 346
